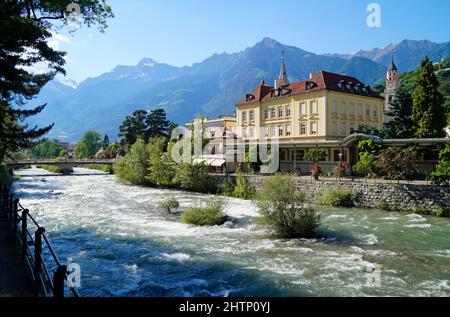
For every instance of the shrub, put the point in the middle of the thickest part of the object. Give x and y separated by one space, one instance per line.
100 167
211 215
169 205
243 189
315 156
55 169
336 198
133 166
226 188
368 154
195 178
397 164
382 205
441 174
283 208
316 171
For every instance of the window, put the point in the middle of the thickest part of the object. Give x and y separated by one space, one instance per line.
299 154
334 128
335 106
303 109
244 130
375 113
244 115
252 115
344 107
266 114
272 113
344 129
313 127
280 131
367 111
288 130
314 107
252 132
288 111
352 108
273 131
336 155
302 128
280 112
360 110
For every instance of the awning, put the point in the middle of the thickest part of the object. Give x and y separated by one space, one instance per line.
218 163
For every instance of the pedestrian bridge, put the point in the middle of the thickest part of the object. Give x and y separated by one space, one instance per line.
62 163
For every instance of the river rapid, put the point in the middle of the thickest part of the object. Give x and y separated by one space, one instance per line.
126 247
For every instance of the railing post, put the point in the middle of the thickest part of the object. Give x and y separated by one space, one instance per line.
59 277
11 205
38 260
15 216
24 234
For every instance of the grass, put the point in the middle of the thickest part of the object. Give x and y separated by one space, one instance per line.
336 198
55 169
100 167
211 215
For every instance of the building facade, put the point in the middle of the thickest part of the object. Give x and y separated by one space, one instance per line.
315 113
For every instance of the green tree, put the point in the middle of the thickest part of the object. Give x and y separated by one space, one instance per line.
63 153
400 124
368 154
441 174
315 155
133 167
428 114
134 127
157 124
284 209
46 149
105 144
26 30
161 170
195 178
89 145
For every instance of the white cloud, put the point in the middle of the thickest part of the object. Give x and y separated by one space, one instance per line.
57 39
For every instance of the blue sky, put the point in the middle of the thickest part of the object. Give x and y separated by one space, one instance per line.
183 32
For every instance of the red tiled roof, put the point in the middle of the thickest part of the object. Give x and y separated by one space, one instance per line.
319 81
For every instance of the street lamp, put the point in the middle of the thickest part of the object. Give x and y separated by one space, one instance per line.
340 164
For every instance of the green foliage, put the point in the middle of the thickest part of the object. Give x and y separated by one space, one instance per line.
428 114
315 155
56 169
397 164
89 145
63 153
46 149
105 143
383 205
251 155
226 188
145 125
284 210
4 175
169 205
195 178
211 215
161 170
336 198
400 124
133 166
243 189
368 154
26 33
100 167
368 130
441 174
112 151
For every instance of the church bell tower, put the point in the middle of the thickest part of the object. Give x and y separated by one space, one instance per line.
391 86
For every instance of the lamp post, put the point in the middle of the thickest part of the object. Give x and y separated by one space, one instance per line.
340 164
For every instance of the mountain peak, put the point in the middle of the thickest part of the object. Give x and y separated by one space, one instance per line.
147 62
269 42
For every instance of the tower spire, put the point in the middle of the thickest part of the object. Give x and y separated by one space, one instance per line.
283 73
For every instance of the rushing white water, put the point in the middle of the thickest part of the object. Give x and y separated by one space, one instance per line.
125 247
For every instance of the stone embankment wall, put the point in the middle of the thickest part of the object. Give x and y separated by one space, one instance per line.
401 197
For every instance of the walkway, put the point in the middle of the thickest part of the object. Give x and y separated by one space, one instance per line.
14 280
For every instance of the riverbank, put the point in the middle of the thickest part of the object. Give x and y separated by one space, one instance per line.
126 247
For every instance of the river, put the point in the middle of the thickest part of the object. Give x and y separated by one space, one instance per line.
125 247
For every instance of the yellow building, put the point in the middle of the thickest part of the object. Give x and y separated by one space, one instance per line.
319 112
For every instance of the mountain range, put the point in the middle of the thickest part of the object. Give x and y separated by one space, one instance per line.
211 87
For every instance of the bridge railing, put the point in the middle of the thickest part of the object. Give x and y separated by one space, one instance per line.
48 273
59 160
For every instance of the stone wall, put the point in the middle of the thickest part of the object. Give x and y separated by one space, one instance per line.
404 197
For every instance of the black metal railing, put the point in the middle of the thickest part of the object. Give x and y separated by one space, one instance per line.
48 273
